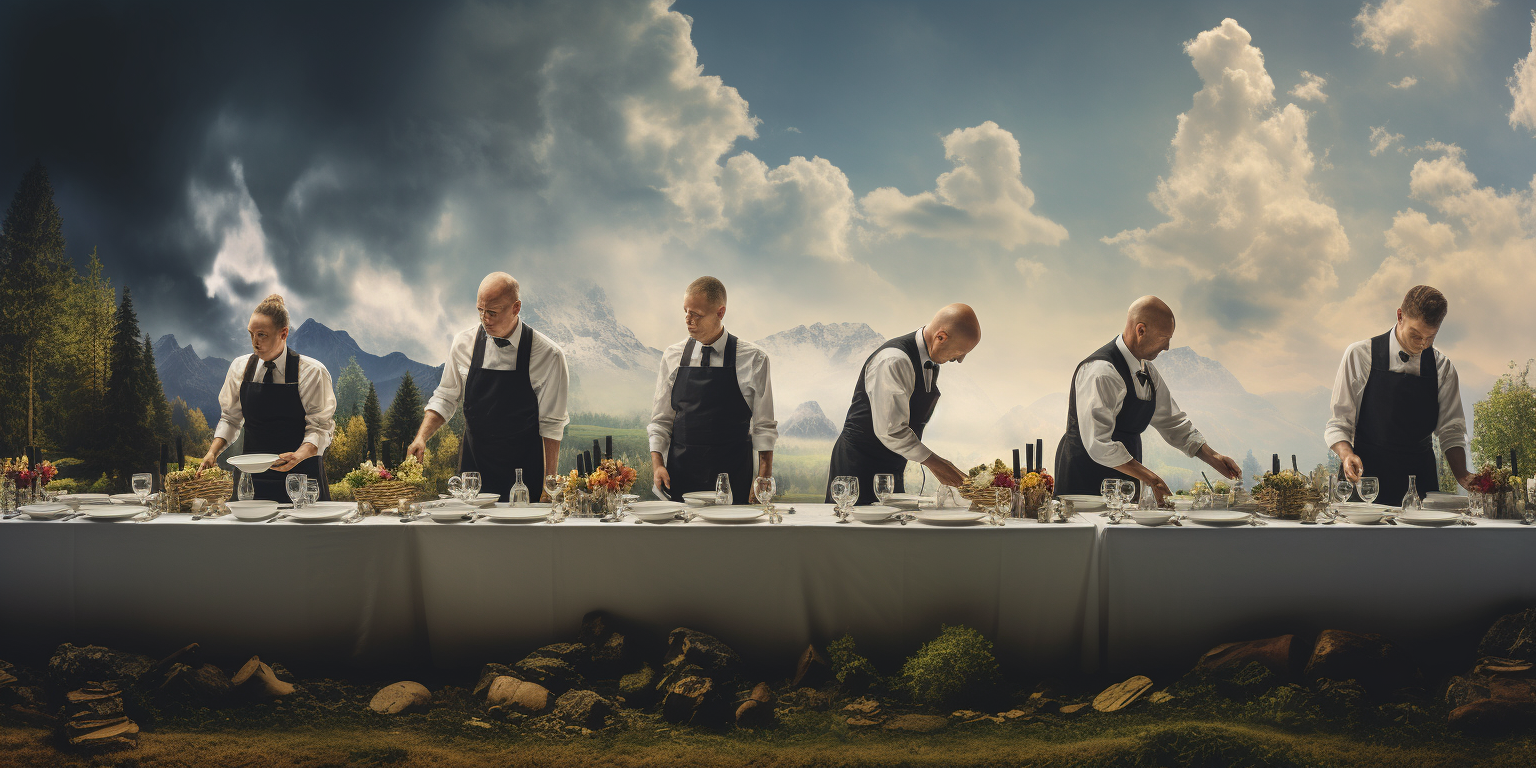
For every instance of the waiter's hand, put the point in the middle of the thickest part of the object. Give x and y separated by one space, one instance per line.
1354 468
418 448
211 458
659 475
1464 480
1160 488
1222 464
944 471
209 461
287 461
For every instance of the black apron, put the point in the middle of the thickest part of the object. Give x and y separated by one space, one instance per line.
858 452
501 423
713 429
1076 471
1395 427
274 423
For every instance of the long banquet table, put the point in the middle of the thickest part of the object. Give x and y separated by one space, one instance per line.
460 594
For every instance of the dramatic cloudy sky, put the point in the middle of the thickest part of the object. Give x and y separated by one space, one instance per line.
1280 172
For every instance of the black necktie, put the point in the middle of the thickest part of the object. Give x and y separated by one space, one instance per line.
271 366
707 351
1142 377
1403 356
500 342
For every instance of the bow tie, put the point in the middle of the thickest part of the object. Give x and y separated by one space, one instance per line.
931 365
1403 356
503 343
1142 377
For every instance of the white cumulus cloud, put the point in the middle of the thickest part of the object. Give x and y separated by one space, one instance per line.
1310 88
1407 82
801 207
983 198
243 271
1383 140
1422 24
1522 86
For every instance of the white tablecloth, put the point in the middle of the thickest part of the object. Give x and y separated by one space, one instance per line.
463 594
1170 594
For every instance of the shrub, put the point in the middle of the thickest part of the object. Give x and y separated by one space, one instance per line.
958 663
341 491
851 669
103 484
66 485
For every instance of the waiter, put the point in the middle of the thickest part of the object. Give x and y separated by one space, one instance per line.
893 400
1116 394
1392 396
713 407
513 383
283 400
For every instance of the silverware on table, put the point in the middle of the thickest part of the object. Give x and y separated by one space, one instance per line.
276 517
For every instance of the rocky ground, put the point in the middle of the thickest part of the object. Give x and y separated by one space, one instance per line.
611 698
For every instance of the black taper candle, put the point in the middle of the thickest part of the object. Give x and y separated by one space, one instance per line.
597 452
1029 457
385 457
1294 468
1039 455
608 454
1498 461
1274 464
165 460
1016 463
578 464
586 456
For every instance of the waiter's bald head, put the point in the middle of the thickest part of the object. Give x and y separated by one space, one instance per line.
1148 327
498 303
952 333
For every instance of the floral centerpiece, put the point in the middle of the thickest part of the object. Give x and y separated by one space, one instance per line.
383 487
988 485
611 479
17 480
182 486
1286 494
1035 489
1497 486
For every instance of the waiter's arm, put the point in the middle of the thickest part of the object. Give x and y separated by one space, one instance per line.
551 458
432 422
319 399
551 385
445 399
231 417
1344 403
659 430
889 383
765 428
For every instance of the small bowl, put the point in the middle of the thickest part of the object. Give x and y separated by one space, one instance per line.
253 463
1361 514
252 510
1150 517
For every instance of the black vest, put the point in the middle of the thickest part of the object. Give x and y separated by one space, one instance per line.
1395 426
501 422
713 429
1076 471
858 452
274 423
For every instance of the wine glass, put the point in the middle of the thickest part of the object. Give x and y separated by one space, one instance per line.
838 489
762 490
1127 492
885 486
471 486
1109 489
1370 488
142 482
311 490
1341 488
723 489
295 486
551 487
456 487
848 495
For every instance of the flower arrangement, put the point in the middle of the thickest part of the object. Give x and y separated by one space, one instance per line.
183 475
612 475
382 487
17 471
184 485
1035 489
1286 494
988 484
1491 479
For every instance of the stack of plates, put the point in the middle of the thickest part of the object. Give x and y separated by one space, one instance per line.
1218 517
875 514
1445 502
910 501
656 511
528 514
322 511
1363 514
1084 503
699 498
1428 517
949 517
111 511
736 513
45 511
81 499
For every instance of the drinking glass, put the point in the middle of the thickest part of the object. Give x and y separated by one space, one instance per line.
885 485
849 493
763 489
1202 497
723 489
142 482
311 491
247 487
551 487
1127 492
1341 489
1370 488
456 487
1109 489
837 490
295 486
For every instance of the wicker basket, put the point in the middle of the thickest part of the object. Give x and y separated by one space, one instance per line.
987 498
1286 504
386 494
213 489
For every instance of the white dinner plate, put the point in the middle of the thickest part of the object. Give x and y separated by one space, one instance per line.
484 500
45 511
874 513
1428 517
1218 517
700 498
111 511
1446 501
252 510
739 513
949 517
86 498
253 463
321 511
656 511
516 514
911 501
1084 503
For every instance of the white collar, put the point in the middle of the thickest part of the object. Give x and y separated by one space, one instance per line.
1136 363
512 335
719 345
1393 347
922 348
280 356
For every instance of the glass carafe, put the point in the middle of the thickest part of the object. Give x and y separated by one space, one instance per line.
1411 500
519 491
247 487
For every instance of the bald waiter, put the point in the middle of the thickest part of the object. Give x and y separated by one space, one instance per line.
1116 394
893 399
1394 394
513 383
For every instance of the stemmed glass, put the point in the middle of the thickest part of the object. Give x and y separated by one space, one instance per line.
1340 489
1370 488
456 487
311 491
142 482
552 485
295 487
471 486
763 489
723 489
885 485
845 491
1110 490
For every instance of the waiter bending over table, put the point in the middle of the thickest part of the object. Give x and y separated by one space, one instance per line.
713 406
1393 395
893 400
282 399
513 383
1116 394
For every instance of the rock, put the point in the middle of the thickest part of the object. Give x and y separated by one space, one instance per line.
187 655
404 696
206 684
863 706
965 714
1508 702
74 666
552 673
1512 636
508 694
584 709
697 701
1072 709
596 626
92 719
574 654
757 710
610 654
258 680
1014 714
1503 667
917 723
1371 660
639 687
102 736
864 721
812 670
1160 697
810 698
1274 653
488 674
1119 696
686 646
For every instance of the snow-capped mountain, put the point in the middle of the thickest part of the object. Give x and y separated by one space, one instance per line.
809 422
611 370
819 362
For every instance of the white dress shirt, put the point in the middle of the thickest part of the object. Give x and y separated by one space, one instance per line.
546 371
1100 394
751 376
889 382
1349 384
315 392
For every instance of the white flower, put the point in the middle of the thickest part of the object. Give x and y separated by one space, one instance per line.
983 479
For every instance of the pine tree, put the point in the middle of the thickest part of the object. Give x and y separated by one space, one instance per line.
403 417
349 448
373 418
351 388
1250 467
126 444
83 363
37 275
160 427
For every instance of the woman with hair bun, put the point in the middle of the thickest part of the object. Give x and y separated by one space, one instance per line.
282 399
